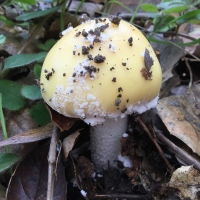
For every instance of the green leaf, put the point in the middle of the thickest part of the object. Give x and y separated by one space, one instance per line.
2 39
7 160
30 2
171 4
7 21
32 15
37 70
175 10
31 92
193 15
11 95
147 7
22 60
160 22
40 114
48 45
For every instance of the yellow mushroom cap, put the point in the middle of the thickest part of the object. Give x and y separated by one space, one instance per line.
99 70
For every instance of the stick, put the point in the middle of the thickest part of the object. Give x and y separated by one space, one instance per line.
52 163
123 196
156 144
188 159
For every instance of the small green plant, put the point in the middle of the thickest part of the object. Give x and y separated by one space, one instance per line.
15 95
171 14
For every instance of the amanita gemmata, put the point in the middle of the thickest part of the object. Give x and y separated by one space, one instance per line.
102 71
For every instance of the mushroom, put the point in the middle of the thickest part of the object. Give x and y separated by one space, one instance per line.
102 82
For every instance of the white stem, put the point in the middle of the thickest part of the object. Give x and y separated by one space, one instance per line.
105 142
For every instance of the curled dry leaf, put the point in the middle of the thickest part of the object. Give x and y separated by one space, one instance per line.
64 123
32 135
167 58
68 143
186 179
180 114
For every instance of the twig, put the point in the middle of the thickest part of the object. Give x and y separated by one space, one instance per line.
156 144
33 34
52 163
123 196
190 71
2 63
138 15
188 159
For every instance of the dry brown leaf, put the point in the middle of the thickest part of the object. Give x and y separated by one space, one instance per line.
167 58
85 168
14 42
64 123
178 115
32 135
68 143
29 180
195 34
87 7
186 179
16 123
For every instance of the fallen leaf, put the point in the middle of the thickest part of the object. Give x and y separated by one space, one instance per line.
68 143
16 123
14 42
186 179
179 114
29 181
85 168
86 7
195 34
167 58
32 135
64 123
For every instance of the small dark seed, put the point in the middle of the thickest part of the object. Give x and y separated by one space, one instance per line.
77 34
85 50
97 32
120 89
115 20
84 33
114 79
99 58
89 57
117 102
